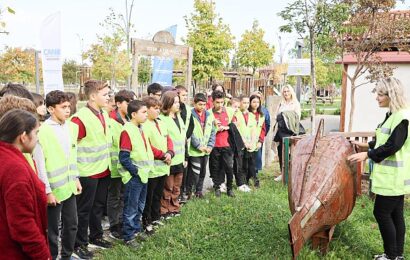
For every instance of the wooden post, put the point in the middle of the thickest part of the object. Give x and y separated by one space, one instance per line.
272 103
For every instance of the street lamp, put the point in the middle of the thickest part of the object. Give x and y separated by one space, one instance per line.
299 46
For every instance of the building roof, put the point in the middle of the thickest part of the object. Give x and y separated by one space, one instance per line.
386 57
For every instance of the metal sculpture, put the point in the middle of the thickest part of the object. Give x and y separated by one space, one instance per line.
322 189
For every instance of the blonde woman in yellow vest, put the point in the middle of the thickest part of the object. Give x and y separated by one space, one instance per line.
94 165
115 203
246 124
58 140
176 128
390 177
136 164
258 138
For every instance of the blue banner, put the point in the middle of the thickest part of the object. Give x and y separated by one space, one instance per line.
163 67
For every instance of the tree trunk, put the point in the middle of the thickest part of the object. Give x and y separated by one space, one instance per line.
352 103
313 80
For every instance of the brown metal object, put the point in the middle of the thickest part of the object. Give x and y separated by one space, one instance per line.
322 189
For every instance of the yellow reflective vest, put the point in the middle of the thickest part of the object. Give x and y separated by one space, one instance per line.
93 153
391 177
141 154
61 170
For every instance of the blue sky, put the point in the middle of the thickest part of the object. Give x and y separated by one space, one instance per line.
81 18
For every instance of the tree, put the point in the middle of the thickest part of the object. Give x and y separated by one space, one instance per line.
121 23
70 69
372 28
253 52
9 10
211 40
17 65
315 20
109 61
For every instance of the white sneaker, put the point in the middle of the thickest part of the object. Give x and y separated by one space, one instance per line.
279 178
244 188
381 257
223 187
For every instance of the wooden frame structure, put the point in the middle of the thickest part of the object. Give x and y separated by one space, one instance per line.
162 45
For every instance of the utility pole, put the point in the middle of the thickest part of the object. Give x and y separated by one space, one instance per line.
36 53
299 46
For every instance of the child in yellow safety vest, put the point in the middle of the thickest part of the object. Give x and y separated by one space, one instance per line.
255 108
246 125
58 140
163 149
94 165
136 161
115 203
200 146
176 128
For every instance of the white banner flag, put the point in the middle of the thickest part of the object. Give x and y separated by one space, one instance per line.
50 34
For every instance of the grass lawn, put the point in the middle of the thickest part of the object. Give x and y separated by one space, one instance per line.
252 226
325 109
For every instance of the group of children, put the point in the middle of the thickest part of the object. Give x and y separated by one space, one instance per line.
139 160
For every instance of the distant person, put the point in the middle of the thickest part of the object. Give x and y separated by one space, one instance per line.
23 204
155 90
72 98
390 176
40 106
217 87
288 111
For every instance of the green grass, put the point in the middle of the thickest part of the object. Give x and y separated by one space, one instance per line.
252 226
319 105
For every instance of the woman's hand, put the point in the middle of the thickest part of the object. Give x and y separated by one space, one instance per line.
357 157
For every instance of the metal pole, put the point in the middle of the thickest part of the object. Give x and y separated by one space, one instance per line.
299 78
37 71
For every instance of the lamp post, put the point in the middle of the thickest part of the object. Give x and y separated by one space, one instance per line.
299 46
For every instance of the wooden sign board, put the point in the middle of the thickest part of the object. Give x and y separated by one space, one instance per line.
151 48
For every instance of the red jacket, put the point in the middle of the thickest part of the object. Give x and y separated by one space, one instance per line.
23 208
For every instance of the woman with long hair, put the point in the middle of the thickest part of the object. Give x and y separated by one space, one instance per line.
288 111
23 201
177 132
390 176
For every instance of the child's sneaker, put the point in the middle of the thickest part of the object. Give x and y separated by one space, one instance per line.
223 187
381 257
133 243
244 188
